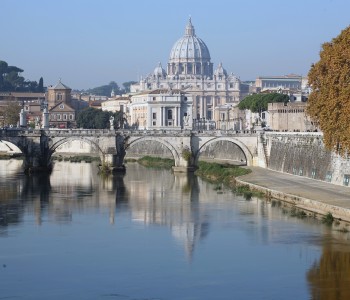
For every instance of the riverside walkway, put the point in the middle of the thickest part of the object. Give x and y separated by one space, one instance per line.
313 195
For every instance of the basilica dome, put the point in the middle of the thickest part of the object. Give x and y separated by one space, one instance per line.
159 71
190 55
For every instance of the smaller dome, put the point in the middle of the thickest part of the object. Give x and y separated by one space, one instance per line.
159 71
220 71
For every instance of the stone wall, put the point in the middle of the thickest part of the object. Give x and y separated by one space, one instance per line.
223 151
148 148
304 154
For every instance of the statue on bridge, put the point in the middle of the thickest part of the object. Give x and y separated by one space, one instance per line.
111 122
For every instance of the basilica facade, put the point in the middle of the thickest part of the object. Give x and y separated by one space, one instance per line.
190 70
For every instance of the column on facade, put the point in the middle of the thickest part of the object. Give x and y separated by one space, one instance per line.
176 116
149 117
204 103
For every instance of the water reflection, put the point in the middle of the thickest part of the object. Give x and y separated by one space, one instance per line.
329 277
191 211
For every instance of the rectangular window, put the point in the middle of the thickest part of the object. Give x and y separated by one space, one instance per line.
329 176
154 123
154 116
313 173
70 117
64 117
346 179
170 114
58 117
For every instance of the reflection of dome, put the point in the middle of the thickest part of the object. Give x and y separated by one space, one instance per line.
190 55
220 71
159 71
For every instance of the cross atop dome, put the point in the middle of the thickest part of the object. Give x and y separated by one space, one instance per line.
189 28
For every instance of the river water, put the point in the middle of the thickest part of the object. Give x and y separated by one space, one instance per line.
151 234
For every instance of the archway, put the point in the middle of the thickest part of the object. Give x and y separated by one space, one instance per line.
225 149
75 145
152 149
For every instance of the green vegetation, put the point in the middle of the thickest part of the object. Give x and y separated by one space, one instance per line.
105 90
92 118
220 173
258 102
187 154
156 162
328 219
11 81
10 115
77 158
5 156
329 102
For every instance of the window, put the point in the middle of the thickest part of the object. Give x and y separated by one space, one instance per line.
231 85
58 117
313 173
346 180
329 176
154 98
170 114
64 117
61 106
154 116
154 123
70 117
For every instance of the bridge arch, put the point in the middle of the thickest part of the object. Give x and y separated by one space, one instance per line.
11 146
55 144
169 146
248 155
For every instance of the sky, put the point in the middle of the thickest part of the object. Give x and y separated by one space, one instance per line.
88 43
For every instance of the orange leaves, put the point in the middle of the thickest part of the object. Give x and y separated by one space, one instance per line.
329 103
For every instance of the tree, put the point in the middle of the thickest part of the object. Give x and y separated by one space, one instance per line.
41 85
10 113
105 90
92 118
259 102
329 101
127 85
10 80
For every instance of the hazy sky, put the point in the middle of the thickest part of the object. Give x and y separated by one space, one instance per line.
89 43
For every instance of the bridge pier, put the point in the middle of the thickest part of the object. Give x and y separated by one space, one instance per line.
37 156
113 158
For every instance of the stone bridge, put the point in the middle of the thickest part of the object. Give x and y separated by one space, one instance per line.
112 145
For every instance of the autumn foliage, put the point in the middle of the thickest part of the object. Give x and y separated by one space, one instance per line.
329 102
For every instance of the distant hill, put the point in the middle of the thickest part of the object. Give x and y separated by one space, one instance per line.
106 90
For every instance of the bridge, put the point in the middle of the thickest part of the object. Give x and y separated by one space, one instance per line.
185 146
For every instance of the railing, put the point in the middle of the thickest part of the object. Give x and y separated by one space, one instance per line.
135 132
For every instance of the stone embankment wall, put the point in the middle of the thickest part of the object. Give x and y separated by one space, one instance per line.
148 148
304 154
223 151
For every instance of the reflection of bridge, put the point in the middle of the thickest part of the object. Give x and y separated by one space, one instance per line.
112 145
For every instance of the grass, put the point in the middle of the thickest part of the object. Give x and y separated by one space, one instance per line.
220 173
77 158
5 156
328 219
156 162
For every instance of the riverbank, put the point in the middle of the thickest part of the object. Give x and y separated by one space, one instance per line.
304 193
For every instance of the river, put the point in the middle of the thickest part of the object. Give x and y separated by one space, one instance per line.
150 234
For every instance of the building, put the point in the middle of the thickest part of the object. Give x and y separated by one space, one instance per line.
62 116
57 94
190 69
118 103
290 82
161 109
290 116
